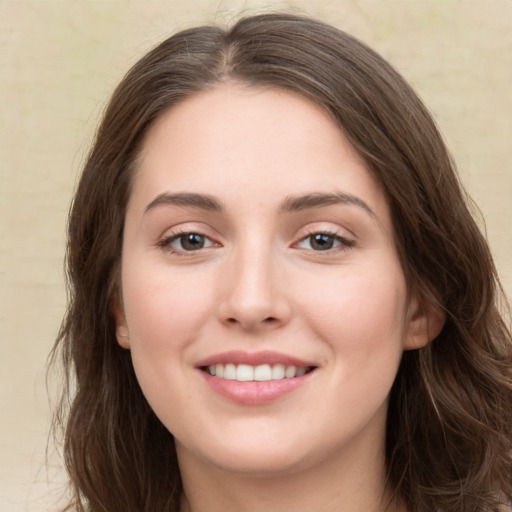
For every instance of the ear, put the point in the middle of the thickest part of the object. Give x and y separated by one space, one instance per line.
120 320
425 322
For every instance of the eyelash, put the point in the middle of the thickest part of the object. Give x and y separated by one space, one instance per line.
345 243
166 242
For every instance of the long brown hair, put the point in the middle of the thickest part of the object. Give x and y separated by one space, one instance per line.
449 432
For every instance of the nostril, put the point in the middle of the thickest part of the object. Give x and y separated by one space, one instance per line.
270 320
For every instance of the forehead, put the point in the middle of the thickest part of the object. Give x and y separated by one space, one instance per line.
257 143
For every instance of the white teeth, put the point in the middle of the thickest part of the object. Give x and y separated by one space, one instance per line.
278 372
248 373
244 372
230 372
290 372
263 372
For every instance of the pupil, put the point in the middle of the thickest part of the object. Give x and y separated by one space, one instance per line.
322 242
192 241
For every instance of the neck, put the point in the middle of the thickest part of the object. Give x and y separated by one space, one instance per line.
356 485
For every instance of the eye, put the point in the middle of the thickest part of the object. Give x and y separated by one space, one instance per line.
186 242
324 242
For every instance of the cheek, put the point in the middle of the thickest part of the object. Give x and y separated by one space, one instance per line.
362 318
167 299
164 312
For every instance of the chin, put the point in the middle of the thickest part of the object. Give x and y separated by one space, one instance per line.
261 463
251 457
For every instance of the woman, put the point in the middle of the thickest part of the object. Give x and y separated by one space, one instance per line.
278 297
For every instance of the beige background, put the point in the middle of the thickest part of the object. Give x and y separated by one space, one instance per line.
58 63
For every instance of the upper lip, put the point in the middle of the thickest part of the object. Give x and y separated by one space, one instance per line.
254 359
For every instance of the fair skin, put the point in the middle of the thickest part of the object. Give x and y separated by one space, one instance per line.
256 242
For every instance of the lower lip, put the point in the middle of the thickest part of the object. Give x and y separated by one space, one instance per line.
254 392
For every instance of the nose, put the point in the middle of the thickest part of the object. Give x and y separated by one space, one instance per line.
253 292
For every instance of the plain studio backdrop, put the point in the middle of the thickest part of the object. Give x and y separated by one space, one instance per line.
60 61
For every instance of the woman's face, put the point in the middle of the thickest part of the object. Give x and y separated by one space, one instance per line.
262 298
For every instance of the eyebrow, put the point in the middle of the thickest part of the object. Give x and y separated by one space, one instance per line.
290 204
319 199
202 201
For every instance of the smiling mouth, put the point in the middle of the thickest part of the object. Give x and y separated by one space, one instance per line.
260 373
